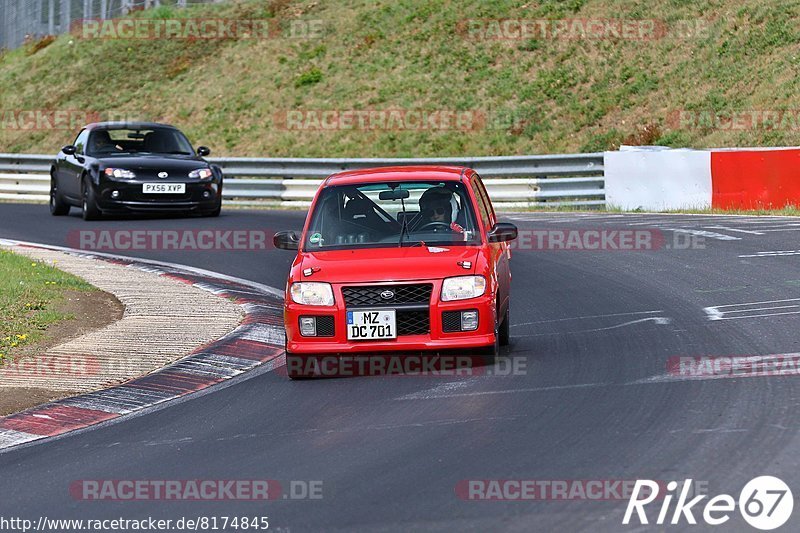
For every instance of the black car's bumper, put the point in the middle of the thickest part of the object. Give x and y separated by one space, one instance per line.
119 196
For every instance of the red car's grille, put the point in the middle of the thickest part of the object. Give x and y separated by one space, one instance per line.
387 295
413 322
411 302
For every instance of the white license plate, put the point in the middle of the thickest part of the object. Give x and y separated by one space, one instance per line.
371 324
164 188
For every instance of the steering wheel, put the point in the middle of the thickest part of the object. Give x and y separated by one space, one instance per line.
435 225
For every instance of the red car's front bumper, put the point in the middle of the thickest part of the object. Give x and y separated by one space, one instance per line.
435 339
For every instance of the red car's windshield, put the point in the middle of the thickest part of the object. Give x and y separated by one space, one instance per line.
392 214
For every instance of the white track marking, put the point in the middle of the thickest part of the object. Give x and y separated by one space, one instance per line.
758 316
735 230
432 394
763 309
722 312
703 233
587 317
660 320
774 222
440 391
776 253
759 303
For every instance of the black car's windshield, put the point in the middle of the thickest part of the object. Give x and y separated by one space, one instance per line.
109 142
406 213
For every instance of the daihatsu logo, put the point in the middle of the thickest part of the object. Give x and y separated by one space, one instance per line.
387 295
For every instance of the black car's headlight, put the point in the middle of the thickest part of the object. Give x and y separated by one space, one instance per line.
119 173
201 173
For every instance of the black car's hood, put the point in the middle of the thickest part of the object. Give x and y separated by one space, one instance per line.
154 162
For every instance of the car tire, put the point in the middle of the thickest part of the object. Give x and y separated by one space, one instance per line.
505 328
489 354
58 207
89 202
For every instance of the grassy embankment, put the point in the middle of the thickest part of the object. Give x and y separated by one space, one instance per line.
540 95
30 292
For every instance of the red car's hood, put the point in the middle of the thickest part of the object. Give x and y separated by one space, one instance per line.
389 264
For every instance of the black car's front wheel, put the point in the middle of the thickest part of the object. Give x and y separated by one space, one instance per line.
90 209
57 205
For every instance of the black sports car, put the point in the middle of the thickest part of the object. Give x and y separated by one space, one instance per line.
133 167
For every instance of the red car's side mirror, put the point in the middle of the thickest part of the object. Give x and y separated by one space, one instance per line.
286 240
502 232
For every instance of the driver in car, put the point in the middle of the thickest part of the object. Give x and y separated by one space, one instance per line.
101 142
436 206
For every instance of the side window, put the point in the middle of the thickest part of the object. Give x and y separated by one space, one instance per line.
483 202
80 141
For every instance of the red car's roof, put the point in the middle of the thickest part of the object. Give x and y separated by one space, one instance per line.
381 174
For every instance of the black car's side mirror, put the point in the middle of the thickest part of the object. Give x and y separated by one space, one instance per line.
503 232
286 240
69 149
203 151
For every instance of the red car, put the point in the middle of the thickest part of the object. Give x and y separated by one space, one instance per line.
397 259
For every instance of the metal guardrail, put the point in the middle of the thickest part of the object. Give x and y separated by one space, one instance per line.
512 181
33 19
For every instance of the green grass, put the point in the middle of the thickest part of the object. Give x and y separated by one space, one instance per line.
538 95
29 293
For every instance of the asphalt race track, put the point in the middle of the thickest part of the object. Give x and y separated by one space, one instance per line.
593 397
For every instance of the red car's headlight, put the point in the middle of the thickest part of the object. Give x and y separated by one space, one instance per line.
463 288
312 293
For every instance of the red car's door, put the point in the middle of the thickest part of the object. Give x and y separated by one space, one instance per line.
500 252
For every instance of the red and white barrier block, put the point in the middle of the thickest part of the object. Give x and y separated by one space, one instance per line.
661 179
